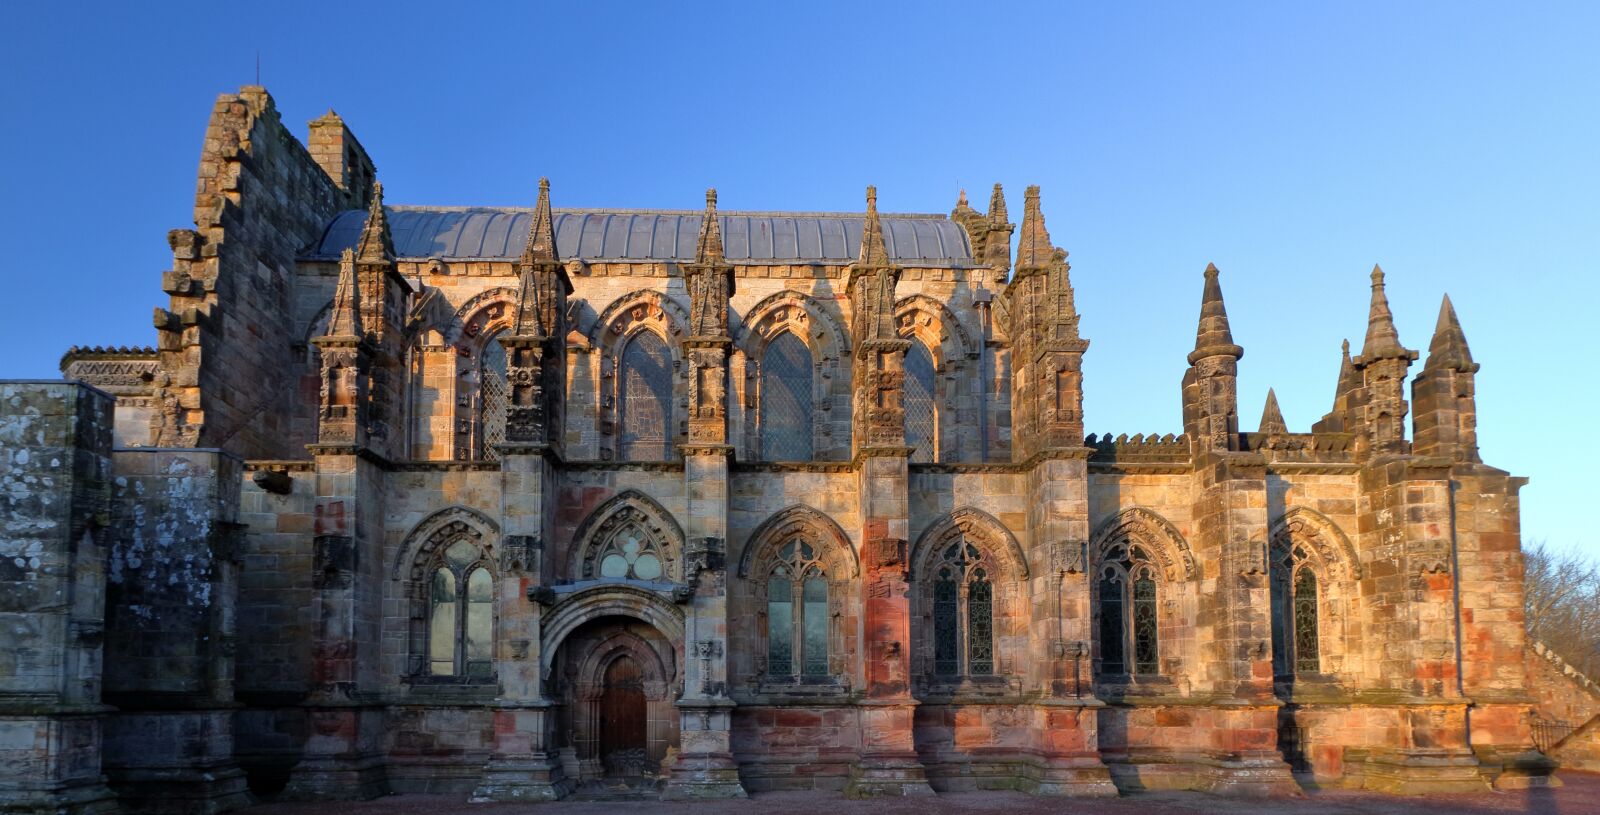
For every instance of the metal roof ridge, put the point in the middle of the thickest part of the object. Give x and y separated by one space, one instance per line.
924 216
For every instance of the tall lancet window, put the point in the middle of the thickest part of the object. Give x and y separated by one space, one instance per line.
494 391
921 415
787 369
460 614
1128 625
644 404
1295 646
963 613
797 614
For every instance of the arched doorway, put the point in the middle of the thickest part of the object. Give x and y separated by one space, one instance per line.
623 720
617 678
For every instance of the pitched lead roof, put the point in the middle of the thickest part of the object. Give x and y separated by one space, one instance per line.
480 233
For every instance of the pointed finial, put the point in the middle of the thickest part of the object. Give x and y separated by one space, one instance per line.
1272 417
541 245
709 248
376 244
1035 250
1348 381
1213 337
961 199
997 205
344 319
873 252
1448 349
1382 338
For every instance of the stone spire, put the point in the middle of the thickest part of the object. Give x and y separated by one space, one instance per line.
709 250
1272 417
541 233
376 244
1382 338
997 205
1213 337
1449 346
345 319
873 253
1348 380
1035 250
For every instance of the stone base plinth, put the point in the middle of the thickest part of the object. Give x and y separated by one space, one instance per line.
174 761
888 775
530 778
704 775
337 778
1078 777
50 764
1418 772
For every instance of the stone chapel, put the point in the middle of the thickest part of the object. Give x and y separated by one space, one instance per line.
514 503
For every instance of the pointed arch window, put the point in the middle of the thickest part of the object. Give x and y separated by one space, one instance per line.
1128 628
921 414
632 554
797 615
494 391
644 404
460 614
787 373
1295 645
963 613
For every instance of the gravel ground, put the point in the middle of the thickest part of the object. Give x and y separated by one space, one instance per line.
1580 796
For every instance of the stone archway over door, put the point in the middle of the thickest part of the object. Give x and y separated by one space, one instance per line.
618 677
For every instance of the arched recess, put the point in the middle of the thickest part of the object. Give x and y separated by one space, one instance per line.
969 608
795 313
800 572
606 600
795 520
924 320
625 511
478 409
1321 604
1333 548
1147 527
618 324
438 530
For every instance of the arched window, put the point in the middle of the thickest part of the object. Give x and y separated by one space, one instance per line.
644 404
460 614
1295 647
632 553
1128 625
797 615
921 415
787 368
963 613
493 393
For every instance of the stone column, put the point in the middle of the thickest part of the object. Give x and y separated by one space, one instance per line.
52 595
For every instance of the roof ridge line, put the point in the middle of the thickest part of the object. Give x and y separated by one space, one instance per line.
922 216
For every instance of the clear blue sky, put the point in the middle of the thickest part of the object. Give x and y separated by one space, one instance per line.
1455 143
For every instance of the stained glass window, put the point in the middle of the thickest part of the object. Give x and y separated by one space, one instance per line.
798 622
1305 622
1111 622
644 409
1144 624
980 625
963 613
1129 624
946 637
460 614
921 416
493 393
787 368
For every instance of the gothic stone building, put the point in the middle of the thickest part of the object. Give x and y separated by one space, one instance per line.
508 502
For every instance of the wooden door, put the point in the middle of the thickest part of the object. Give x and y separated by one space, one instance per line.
622 719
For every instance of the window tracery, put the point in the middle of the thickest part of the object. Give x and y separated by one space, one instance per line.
460 613
1295 607
493 395
797 614
787 374
963 612
918 400
644 409
1129 622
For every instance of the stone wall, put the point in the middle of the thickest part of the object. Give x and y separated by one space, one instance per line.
55 499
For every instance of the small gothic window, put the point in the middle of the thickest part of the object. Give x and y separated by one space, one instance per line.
460 614
644 404
921 416
797 615
1294 611
631 554
787 368
963 613
1129 625
493 393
